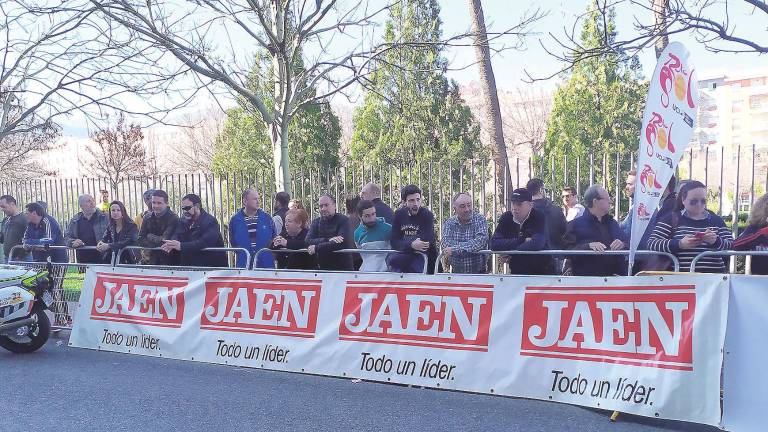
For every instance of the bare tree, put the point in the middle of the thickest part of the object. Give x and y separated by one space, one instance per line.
17 150
525 112
118 152
200 131
59 61
491 109
209 36
720 26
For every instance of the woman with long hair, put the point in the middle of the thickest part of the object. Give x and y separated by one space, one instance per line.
121 232
755 237
692 229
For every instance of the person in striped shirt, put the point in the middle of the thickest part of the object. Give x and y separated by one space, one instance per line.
692 229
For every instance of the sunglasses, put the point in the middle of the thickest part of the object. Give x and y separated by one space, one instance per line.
187 208
695 201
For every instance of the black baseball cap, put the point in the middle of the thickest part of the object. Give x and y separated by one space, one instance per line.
520 195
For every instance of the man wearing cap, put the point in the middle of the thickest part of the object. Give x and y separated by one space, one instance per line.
523 228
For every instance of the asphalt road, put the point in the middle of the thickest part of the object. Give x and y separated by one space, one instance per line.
68 389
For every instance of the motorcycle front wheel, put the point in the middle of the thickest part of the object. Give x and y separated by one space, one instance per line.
35 337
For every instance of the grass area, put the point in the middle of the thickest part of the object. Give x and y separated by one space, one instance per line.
73 282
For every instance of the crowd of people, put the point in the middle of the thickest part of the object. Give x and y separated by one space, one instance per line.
385 239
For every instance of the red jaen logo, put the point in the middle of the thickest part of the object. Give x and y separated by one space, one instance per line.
286 307
642 326
442 315
139 299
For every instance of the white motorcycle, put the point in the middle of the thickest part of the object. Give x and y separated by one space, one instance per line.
25 294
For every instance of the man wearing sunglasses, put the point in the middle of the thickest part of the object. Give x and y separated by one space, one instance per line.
196 230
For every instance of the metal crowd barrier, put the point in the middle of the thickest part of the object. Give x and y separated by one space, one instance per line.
675 261
728 253
348 251
211 249
66 284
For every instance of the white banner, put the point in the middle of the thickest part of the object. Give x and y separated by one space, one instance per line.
745 382
644 345
668 123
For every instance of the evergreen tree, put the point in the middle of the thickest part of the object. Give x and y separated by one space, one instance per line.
411 111
599 109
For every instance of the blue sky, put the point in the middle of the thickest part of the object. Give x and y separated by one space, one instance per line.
509 66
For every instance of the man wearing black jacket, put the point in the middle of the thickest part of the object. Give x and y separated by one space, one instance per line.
157 226
329 233
553 215
413 230
195 231
524 229
372 192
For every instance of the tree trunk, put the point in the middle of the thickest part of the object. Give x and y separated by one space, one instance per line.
278 133
659 13
491 111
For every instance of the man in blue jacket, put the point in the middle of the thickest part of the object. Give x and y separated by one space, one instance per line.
253 229
42 226
598 231
196 230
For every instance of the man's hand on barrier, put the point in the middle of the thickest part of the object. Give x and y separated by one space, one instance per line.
76 243
419 245
447 252
280 241
170 245
690 242
597 247
337 239
311 249
617 245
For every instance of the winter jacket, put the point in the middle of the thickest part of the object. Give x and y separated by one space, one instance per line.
118 240
324 228
755 238
197 235
240 237
510 235
154 229
13 228
48 228
376 237
100 224
555 221
297 260
100 221
383 210
587 229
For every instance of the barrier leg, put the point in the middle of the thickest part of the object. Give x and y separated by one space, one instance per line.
614 416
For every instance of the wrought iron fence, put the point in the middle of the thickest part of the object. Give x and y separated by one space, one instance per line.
734 177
